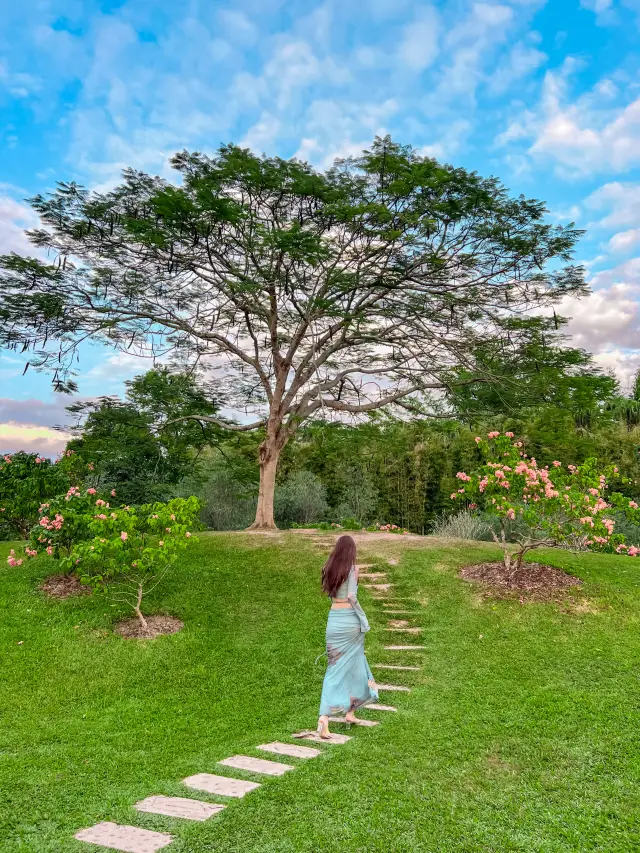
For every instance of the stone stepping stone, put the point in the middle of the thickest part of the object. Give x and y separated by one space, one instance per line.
315 737
376 706
378 587
405 630
131 839
404 648
398 623
179 807
290 749
400 612
396 687
222 785
393 666
256 765
372 575
361 566
361 723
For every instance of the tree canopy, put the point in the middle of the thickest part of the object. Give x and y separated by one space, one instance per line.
309 293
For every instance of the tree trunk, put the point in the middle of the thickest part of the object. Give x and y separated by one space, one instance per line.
270 450
138 612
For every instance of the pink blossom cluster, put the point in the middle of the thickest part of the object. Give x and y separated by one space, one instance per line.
7 459
52 523
462 476
12 560
629 550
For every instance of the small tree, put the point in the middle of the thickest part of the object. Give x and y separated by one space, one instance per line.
556 506
133 549
301 499
332 294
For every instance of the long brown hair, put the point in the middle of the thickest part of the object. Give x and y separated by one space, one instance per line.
336 570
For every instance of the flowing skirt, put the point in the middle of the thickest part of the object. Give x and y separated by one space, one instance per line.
348 682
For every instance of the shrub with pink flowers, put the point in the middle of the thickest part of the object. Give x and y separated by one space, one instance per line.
569 507
130 550
26 480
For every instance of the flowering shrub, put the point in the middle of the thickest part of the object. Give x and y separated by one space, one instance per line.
131 550
26 480
567 507
66 520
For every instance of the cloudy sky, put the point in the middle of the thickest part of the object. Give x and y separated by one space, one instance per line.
546 95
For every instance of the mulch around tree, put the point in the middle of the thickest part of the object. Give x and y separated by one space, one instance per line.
161 624
63 586
532 578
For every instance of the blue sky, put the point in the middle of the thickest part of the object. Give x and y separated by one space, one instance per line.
545 95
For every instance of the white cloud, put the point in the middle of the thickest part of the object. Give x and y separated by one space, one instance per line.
621 200
14 218
597 6
31 439
262 136
522 61
419 45
237 26
450 142
586 137
624 240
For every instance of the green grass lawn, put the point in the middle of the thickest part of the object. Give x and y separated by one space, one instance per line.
521 733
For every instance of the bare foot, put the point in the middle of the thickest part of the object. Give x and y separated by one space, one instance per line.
323 728
350 717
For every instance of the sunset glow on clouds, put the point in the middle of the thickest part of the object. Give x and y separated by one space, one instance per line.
545 95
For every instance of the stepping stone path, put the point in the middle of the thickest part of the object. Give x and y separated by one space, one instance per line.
131 839
361 566
179 807
405 630
315 737
222 785
256 765
360 723
290 749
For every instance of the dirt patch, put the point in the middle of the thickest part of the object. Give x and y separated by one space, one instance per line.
131 629
532 577
63 586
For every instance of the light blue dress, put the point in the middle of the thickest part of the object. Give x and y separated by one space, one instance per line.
348 682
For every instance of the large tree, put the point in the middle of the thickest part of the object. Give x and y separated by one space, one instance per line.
314 293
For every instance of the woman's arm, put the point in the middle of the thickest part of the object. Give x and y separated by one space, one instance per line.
352 598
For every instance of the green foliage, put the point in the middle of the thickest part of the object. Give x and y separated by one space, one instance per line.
143 446
132 549
26 481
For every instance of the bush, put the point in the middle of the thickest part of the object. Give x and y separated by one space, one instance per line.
462 525
26 481
359 497
226 503
301 499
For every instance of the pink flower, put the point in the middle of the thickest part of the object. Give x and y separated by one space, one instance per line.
556 464
494 433
594 492
609 523
509 434
167 530
49 550
188 535
90 466
7 459
511 513
633 551
633 505
453 496
124 536
461 491
460 475
91 491
100 502
477 439
38 460
172 517
113 493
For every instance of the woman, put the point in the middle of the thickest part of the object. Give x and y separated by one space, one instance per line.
348 682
